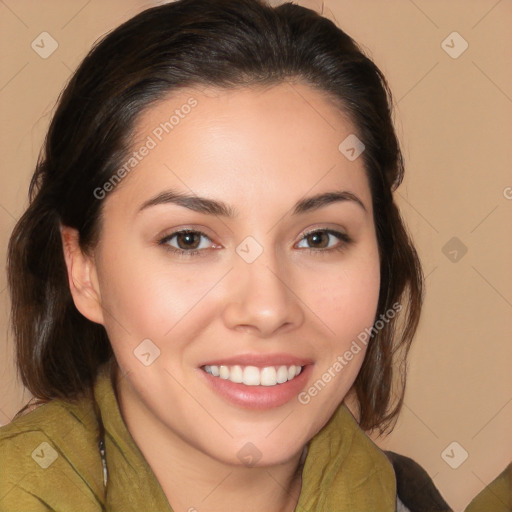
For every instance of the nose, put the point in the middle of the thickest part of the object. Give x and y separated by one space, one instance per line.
262 297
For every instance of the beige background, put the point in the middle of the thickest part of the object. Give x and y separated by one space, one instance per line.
454 117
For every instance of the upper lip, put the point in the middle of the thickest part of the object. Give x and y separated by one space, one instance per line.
259 360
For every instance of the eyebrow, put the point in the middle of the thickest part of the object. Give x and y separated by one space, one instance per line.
219 208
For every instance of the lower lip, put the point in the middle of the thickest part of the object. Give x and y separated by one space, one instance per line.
259 397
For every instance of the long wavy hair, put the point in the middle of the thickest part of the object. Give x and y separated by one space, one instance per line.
223 43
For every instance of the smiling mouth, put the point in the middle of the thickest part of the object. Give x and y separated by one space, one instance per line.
254 376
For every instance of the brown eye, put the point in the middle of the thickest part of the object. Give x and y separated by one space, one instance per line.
318 239
324 240
188 240
186 243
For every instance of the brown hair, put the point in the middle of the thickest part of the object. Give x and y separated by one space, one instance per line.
225 43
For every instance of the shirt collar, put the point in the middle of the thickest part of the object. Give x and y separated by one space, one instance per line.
344 469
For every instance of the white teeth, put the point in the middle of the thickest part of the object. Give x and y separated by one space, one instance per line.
268 376
253 376
224 372
282 374
236 374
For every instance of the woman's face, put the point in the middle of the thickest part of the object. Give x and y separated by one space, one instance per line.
280 269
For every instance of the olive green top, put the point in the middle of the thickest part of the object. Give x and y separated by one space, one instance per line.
49 460
496 497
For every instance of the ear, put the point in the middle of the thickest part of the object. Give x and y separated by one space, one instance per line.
82 276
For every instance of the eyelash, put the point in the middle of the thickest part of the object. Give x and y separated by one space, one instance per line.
345 240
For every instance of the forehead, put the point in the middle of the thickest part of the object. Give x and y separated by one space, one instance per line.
241 144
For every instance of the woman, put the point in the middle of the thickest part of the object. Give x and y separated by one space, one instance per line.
211 268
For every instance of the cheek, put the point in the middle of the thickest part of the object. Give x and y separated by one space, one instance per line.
347 300
149 298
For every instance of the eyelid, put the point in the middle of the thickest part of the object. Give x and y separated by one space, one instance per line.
342 236
162 240
326 229
187 228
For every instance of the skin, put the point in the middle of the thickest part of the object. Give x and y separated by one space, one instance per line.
259 150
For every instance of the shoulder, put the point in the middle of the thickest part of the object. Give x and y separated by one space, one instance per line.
415 489
48 458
